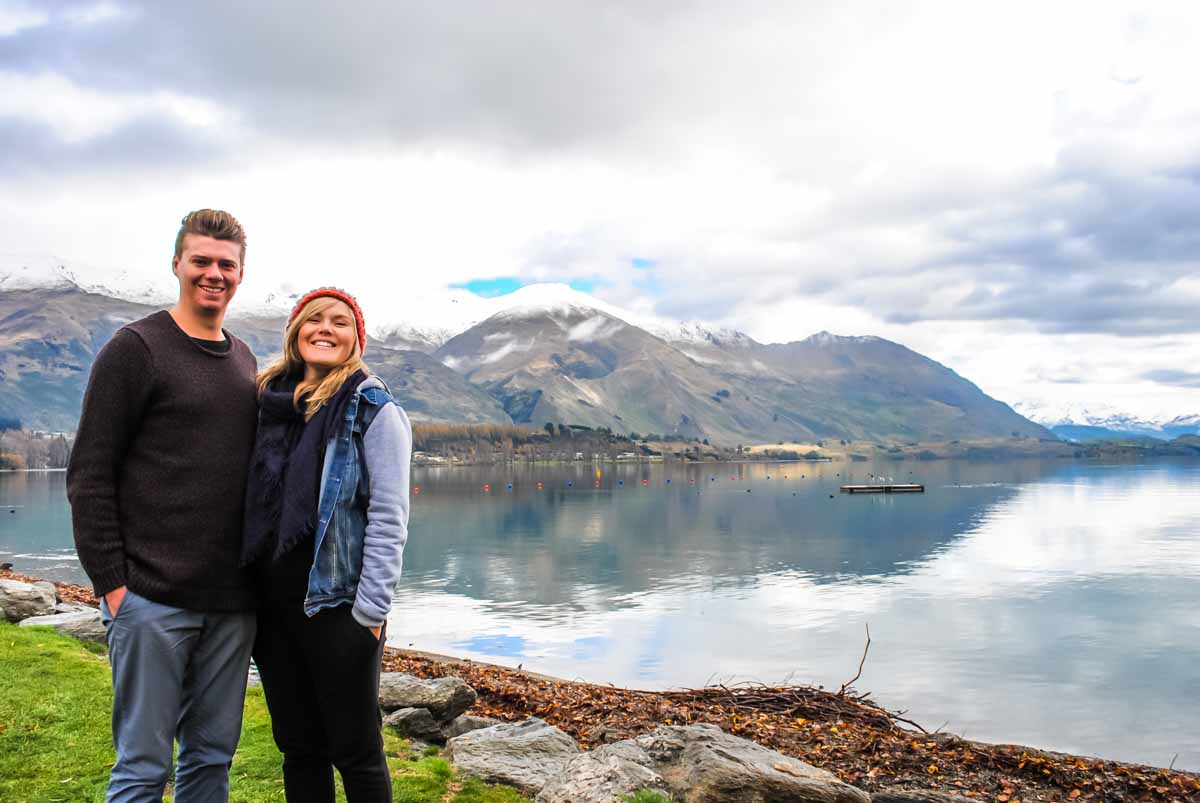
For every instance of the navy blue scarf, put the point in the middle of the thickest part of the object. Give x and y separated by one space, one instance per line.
283 486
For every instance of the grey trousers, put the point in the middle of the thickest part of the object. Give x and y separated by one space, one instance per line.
177 675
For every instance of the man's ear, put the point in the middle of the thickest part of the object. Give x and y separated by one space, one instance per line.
175 265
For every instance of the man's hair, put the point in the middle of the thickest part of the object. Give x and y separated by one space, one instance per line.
211 223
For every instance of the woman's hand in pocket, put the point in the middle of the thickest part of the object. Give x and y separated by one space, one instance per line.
375 631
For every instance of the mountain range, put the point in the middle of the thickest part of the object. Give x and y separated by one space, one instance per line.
1074 422
547 353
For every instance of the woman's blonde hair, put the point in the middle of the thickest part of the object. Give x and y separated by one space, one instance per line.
291 362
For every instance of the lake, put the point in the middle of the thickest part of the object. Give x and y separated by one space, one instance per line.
1050 603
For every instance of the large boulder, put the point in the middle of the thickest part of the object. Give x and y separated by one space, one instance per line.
73 607
415 723
83 625
22 600
444 698
521 754
467 723
608 773
703 764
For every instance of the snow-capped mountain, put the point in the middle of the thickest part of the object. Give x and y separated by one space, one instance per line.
17 273
697 333
1076 421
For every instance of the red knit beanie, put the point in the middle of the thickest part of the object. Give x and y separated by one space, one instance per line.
340 295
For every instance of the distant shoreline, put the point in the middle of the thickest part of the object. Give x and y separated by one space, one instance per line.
31 470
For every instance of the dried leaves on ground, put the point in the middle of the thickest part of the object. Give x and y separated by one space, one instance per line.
848 734
67 592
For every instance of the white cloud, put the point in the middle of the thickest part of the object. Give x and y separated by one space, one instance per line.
595 328
19 17
505 350
76 114
961 179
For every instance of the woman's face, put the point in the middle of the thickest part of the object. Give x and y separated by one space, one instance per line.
326 338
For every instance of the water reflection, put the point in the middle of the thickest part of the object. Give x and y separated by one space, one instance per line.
1049 603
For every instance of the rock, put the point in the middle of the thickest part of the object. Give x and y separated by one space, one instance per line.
73 607
608 773
914 796
521 754
703 764
21 600
467 723
445 698
415 723
83 625
47 586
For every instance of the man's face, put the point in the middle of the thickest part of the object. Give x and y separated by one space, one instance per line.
209 272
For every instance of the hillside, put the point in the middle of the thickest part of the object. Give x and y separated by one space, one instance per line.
49 338
559 356
569 362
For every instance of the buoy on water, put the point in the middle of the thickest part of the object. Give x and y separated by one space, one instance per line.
486 489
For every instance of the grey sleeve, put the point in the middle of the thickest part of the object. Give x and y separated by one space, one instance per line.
388 446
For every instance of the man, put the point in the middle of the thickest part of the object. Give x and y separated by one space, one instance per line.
156 483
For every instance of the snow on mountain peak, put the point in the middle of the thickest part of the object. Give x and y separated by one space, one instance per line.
1097 414
824 338
554 299
700 333
26 273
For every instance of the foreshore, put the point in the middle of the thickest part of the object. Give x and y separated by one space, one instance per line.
845 732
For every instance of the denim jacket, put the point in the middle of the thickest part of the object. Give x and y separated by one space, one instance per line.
362 515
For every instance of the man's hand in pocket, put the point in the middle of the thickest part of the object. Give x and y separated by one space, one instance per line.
113 600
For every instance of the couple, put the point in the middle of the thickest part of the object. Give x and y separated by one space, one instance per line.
221 514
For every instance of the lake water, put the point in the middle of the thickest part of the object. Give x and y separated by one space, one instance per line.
1049 603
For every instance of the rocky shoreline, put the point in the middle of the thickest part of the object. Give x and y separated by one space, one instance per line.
560 741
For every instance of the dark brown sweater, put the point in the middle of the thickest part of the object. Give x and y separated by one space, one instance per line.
158 472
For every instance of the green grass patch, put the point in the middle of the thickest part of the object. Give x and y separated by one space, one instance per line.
647 796
56 737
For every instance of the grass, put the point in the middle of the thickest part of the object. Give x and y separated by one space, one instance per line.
647 796
56 742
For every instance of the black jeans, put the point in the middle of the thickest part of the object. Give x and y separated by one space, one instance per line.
321 679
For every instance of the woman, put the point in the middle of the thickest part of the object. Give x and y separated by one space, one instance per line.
326 523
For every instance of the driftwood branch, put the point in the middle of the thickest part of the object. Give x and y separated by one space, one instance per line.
850 682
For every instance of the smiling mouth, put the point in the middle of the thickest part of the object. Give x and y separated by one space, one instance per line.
212 291
323 344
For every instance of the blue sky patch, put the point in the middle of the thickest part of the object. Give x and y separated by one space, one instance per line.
494 288
584 285
491 288
641 263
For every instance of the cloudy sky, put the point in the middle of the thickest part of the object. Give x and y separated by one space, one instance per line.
1011 188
